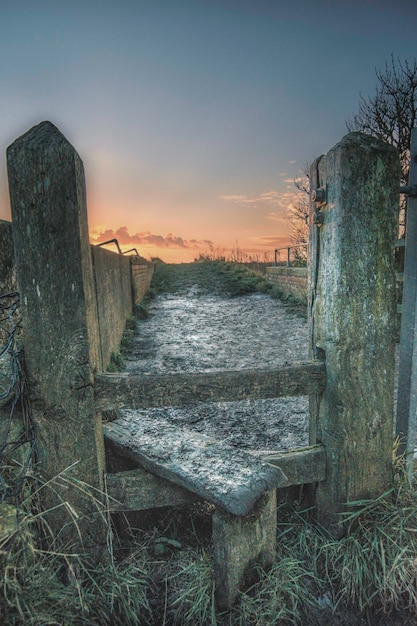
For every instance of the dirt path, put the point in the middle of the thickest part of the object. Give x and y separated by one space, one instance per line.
196 327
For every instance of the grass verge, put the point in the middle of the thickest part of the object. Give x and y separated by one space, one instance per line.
163 574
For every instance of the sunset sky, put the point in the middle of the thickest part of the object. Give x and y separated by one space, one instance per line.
193 117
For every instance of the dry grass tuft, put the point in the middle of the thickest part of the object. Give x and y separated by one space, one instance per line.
163 575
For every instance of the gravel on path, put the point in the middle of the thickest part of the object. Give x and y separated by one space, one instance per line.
192 329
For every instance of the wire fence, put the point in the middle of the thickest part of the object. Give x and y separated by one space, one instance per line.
295 255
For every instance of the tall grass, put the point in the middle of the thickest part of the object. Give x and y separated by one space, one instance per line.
118 358
164 575
43 585
239 279
230 278
255 259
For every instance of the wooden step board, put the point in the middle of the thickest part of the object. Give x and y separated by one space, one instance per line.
228 477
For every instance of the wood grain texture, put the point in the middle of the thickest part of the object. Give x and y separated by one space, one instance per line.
352 317
216 472
114 391
238 543
302 466
138 490
54 271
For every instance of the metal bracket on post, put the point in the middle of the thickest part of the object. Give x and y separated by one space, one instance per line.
407 386
410 190
318 196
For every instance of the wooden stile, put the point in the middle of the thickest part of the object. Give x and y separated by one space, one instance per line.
119 390
215 471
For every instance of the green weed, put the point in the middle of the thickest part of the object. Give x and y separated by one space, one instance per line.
42 583
117 362
118 358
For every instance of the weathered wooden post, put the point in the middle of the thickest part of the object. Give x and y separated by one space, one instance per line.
54 269
242 542
352 314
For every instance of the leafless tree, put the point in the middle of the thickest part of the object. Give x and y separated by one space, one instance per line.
392 112
298 215
389 115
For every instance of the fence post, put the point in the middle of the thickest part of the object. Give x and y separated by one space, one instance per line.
352 314
54 270
407 392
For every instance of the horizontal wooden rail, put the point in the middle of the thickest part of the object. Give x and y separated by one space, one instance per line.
138 489
115 391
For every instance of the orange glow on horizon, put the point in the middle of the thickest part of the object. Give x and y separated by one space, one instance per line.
261 253
232 226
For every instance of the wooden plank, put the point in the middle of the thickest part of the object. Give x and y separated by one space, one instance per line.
301 466
121 390
218 473
137 490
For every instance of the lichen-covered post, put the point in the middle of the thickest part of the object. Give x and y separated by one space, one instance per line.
54 269
241 543
352 317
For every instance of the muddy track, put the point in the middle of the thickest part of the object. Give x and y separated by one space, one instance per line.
196 326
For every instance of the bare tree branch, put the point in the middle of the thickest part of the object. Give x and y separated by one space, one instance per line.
392 112
298 213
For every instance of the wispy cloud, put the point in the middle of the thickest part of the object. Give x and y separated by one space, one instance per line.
279 200
273 242
268 196
274 216
147 238
237 199
276 204
284 204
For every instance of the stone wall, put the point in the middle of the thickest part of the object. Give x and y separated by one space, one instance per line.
141 279
114 298
291 281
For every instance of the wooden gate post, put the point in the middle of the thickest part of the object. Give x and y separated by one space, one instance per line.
54 269
352 317
407 375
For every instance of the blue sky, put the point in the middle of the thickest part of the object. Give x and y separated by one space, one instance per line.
193 117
